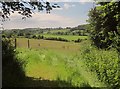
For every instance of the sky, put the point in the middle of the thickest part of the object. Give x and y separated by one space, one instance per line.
70 14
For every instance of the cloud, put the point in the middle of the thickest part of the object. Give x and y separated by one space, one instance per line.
58 8
71 0
60 0
46 17
84 1
39 20
67 6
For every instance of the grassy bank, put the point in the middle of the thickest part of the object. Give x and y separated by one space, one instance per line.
79 64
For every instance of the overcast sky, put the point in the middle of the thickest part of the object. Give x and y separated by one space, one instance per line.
70 14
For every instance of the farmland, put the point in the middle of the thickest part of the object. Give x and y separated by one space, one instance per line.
67 61
46 44
68 37
60 30
54 60
78 64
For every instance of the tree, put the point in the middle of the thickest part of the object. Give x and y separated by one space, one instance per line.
26 9
104 20
105 24
13 72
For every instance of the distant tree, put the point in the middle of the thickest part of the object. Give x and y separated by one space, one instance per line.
3 35
27 35
68 27
20 34
39 37
34 36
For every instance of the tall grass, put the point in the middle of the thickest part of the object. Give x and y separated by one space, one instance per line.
51 65
89 66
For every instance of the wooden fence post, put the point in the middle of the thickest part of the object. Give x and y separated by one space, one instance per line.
28 44
15 42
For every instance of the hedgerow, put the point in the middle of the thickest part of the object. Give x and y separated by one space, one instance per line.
103 62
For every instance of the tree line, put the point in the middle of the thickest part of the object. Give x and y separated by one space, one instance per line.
104 21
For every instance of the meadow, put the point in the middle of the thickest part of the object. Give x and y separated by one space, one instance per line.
68 37
68 61
47 44
64 64
60 30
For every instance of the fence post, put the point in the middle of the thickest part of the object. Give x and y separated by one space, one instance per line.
28 44
15 42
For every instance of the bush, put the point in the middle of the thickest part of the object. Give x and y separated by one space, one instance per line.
79 40
13 73
103 63
56 39
34 36
40 37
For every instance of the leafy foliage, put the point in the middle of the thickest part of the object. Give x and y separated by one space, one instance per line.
102 62
105 25
13 73
104 20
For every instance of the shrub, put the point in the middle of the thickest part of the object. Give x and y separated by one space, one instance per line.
40 37
56 39
103 62
78 40
13 73
34 36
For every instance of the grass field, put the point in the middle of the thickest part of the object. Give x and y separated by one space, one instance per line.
46 44
77 63
68 37
56 63
54 60
62 30
50 65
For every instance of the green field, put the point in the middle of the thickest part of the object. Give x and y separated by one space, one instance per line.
77 63
61 30
46 44
68 37
51 65
54 60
